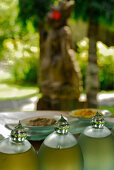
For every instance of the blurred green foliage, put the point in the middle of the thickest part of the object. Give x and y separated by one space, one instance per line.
106 66
105 59
23 57
34 10
19 46
9 28
99 11
8 15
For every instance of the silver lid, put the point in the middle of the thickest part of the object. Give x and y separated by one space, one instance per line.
62 126
98 121
18 134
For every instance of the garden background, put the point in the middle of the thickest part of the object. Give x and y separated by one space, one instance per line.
20 47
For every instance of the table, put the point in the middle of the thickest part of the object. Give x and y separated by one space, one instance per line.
15 116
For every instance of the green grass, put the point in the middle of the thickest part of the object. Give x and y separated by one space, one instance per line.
110 108
9 90
104 91
12 91
5 76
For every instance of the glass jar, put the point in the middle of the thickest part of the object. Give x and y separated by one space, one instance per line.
113 130
60 150
97 146
16 153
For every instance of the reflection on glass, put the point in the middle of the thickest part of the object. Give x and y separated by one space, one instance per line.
97 146
16 153
60 150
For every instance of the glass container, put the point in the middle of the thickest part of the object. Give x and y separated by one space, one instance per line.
16 153
97 146
60 150
113 130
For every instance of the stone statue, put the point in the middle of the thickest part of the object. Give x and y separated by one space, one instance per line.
59 74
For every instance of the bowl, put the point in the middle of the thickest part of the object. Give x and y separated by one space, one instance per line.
75 113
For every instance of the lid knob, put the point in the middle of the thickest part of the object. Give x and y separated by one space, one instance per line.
18 134
62 126
98 121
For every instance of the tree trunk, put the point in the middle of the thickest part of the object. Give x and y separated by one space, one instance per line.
92 83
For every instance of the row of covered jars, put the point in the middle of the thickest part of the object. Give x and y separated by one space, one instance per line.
94 149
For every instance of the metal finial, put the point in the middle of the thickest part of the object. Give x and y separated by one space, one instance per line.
62 126
97 121
18 134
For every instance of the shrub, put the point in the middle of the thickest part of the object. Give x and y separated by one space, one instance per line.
106 67
23 58
105 63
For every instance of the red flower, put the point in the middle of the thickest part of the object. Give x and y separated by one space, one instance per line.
55 15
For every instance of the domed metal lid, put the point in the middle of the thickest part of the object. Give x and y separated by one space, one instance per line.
18 134
62 126
98 121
